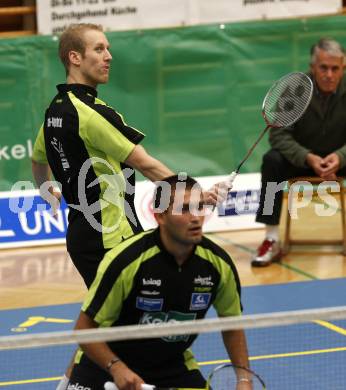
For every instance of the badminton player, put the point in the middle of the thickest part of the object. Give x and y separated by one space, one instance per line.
156 276
92 153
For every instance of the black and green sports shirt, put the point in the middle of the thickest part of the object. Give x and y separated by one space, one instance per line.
86 143
139 282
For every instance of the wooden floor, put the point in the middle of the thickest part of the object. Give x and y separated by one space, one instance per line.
46 276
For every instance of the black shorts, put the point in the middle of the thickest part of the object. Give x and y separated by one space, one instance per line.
91 377
88 379
87 263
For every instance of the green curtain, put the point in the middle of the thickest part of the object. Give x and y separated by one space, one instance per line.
196 92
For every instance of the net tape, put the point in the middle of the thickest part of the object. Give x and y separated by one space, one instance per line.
287 99
170 329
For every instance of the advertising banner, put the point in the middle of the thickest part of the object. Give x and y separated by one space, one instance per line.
26 219
205 11
236 213
54 15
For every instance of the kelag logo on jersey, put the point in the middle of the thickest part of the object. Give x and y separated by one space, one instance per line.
199 301
171 316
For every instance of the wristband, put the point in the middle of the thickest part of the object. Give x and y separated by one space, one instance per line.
113 361
244 380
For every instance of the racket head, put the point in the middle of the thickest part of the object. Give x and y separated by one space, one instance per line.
287 100
228 377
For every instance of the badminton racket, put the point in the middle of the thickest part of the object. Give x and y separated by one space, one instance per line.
224 377
284 103
232 377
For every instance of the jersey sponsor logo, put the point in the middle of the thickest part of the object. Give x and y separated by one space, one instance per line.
204 281
200 301
202 289
77 386
171 316
149 304
57 145
148 292
54 122
151 282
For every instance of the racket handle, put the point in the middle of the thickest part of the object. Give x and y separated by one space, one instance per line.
231 178
112 386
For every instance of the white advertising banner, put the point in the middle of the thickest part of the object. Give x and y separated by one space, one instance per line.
54 15
206 11
26 220
236 213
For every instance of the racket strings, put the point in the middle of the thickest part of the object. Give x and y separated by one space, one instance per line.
287 100
230 377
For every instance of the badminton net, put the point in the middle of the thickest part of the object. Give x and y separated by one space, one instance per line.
290 350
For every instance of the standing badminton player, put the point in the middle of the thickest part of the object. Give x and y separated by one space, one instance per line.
92 153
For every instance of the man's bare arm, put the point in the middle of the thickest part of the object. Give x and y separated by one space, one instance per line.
149 166
155 170
236 346
103 356
41 172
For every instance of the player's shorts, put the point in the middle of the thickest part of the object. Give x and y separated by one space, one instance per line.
87 263
88 376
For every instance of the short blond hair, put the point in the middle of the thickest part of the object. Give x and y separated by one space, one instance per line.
73 39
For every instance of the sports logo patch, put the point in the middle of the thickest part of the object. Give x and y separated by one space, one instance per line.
149 304
77 386
171 317
200 301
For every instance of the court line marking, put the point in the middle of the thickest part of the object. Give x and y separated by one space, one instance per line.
281 263
280 355
28 381
211 362
297 270
228 241
331 327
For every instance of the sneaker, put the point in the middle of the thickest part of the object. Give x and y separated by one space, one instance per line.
267 253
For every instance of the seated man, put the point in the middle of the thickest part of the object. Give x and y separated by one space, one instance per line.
167 262
314 146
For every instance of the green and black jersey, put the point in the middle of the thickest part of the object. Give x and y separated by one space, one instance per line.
86 143
139 282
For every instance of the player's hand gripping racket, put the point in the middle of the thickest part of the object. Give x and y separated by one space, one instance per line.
284 103
224 377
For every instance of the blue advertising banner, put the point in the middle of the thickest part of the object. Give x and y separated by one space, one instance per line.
239 203
26 220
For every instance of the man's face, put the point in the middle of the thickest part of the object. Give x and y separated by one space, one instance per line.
95 63
182 221
327 71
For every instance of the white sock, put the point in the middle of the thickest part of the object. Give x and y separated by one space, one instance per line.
272 232
63 383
